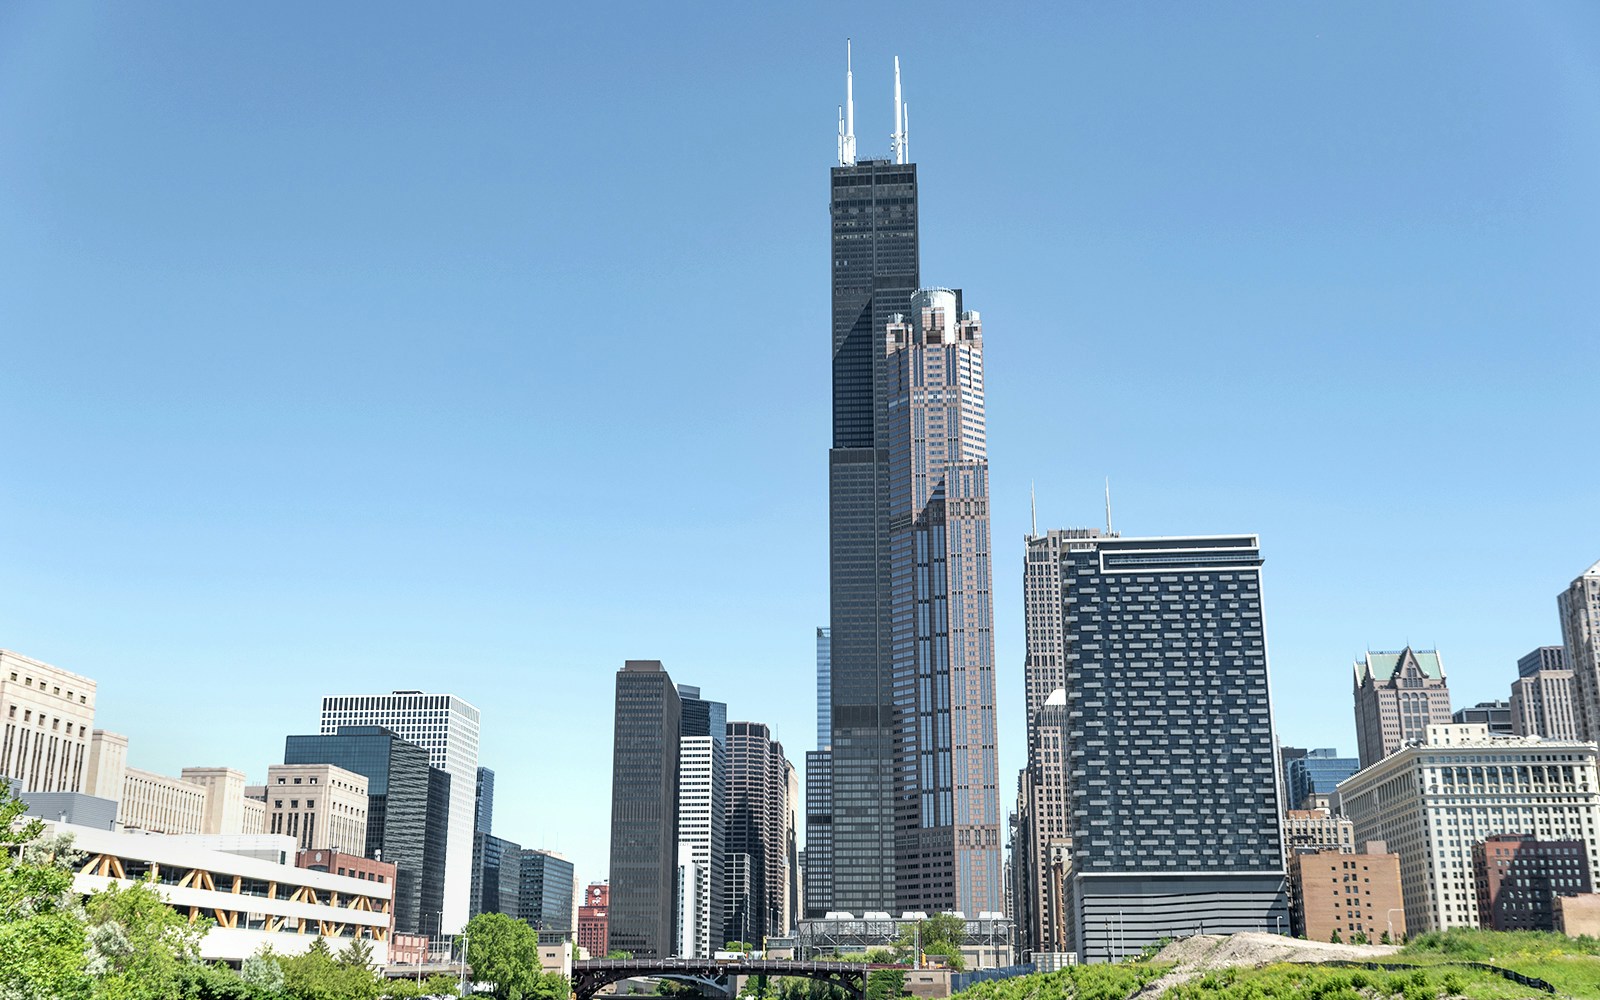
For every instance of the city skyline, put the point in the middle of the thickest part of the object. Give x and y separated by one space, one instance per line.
299 453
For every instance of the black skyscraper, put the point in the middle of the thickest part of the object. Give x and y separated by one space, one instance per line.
875 270
644 811
408 812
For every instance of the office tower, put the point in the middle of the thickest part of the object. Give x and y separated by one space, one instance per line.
1518 877
323 807
702 828
48 714
496 875
1286 757
947 804
1431 801
1317 772
594 919
701 717
1542 698
1494 714
875 268
793 887
1579 605
644 810
1398 695
1166 688
819 792
446 727
755 882
824 689
546 895
483 802
1040 844
1041 848
409 808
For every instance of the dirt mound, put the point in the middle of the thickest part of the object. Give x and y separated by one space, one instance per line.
1204 952
1214 951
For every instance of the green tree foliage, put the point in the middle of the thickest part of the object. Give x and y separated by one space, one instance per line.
41 929
504 952
942 936
357 953
619 955
315 974
139 947
262 972
885 984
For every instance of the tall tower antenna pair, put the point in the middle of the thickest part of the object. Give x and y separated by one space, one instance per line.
899 139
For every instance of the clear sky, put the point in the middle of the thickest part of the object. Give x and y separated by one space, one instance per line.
477 349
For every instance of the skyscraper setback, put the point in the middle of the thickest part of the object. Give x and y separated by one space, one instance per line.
914 817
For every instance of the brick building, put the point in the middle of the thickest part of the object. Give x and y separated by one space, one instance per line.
594 919
1348 894
1518 877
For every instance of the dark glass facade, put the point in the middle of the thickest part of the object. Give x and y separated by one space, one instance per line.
483 804
496 875
644 811
408 812
546 895
1173 797
1317 772
875 269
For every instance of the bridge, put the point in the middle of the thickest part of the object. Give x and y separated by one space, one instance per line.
589 976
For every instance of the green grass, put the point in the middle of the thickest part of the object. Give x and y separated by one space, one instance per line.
1571 965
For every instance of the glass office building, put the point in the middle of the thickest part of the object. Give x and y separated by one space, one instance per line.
644 811
1317 772
408 813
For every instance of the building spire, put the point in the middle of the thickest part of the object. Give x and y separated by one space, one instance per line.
1033 508
847 114
1108 505
898 139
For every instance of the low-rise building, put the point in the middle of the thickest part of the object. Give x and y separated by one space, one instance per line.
254 902
1431 801
1343 894
1578 916
1518 878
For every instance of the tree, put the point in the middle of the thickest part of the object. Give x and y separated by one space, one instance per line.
1335 939
41 928
619 955
262 972
358 954
504 951
315 975
941 935
885 984
139 947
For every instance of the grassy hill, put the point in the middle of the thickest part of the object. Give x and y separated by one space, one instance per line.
1268 967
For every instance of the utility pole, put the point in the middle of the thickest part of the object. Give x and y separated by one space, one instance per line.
464 940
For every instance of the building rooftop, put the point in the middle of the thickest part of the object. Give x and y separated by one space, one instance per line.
1385 665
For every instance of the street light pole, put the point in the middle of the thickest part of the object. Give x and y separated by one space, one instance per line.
464 940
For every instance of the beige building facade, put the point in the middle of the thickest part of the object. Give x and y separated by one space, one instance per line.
1431 802
205 800
323 807
107 763
1579 606
1345 894
47 714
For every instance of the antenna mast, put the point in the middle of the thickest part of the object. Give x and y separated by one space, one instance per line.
1108 505
898 139
847 114
1033 506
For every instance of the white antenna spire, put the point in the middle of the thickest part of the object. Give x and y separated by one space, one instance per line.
1108 505
1033 506
898 140
847 114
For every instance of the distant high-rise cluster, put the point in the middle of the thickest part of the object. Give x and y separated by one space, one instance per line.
703 843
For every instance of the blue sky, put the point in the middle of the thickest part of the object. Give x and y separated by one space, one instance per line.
364 347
